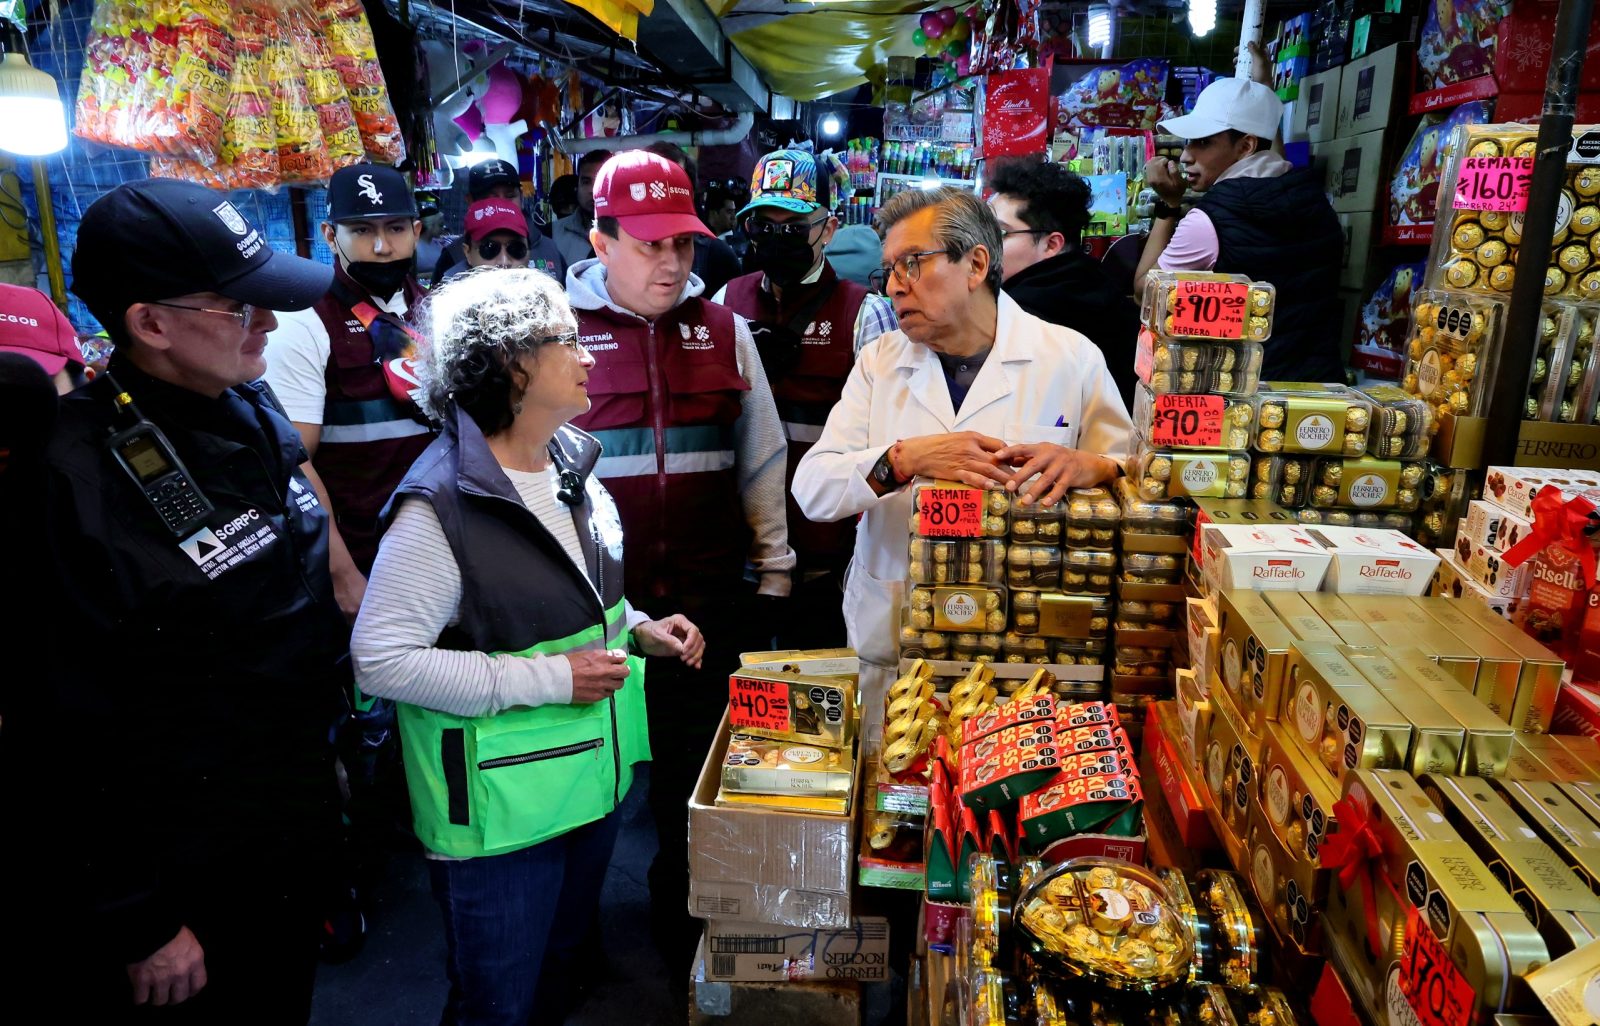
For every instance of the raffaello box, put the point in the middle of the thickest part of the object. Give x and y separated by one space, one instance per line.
1263 557
1374 561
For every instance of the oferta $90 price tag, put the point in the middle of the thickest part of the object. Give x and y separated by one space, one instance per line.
1210 309
1494 183
955 512
761 704
1432 985
1192 420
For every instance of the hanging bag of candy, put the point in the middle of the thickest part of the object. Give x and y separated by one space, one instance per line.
302 151
324 85
355 56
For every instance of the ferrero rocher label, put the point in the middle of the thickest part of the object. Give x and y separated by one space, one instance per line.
1199 474
1314 425
959 609
1569 987
1369 484
1065 616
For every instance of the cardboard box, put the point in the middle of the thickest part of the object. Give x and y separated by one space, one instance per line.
793 707
999 769
1539 680
1492 526
1253 656
1316 111
1451 581
1493 574
1337 718
1337 615
1438 740
753 952
1354 169
757 865
1202 637
1231 759
1360 231
1513 488
1297 614
1565 910
1488 748
1268 557
1369 90
1291 890
762 1003
1194 715
1373 561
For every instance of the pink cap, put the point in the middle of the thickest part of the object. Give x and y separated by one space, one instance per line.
494 215
32 325
649 195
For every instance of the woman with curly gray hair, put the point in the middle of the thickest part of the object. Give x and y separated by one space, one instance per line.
495 619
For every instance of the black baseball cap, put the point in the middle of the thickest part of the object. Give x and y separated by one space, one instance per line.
159 238
363 191
489 174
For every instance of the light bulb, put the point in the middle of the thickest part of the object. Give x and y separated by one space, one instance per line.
1099 26
1202 16
32 121
831 126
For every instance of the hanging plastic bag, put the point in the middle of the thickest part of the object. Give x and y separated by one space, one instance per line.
302 152
155 77
248 156
324 85
355 55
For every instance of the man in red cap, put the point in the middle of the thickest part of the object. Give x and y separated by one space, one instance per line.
496 235
32 325
695 458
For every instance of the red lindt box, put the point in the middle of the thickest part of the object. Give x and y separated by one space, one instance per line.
1083 714
999 717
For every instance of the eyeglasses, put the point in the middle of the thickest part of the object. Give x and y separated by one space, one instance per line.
908 269
567 338
516 249
242 315
758 228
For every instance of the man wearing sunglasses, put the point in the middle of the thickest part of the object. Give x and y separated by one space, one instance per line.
189 554
496 236
808 325
969 388
498 180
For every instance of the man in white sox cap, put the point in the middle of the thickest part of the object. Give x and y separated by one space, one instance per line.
1257 216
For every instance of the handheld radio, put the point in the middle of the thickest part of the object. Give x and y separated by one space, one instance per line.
153 464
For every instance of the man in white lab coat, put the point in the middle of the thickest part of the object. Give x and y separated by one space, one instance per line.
970 388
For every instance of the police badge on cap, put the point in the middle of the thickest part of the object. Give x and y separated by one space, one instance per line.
363 191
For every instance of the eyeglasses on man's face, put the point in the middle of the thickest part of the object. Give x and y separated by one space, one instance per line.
242 315
761 228
908 268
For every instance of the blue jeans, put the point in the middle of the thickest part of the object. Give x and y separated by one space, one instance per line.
513 922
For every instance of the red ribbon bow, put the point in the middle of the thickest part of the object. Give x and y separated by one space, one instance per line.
1352 851
1557 522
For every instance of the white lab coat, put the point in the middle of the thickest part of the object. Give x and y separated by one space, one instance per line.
1041 383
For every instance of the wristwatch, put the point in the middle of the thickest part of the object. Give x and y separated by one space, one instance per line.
883 472
1161 211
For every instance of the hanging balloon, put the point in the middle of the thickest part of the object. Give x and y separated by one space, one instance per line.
964 65
947 16
919 38
962 29
933 47
955 48
932 26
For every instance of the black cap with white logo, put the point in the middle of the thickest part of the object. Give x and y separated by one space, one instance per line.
363 191
159 238
489 174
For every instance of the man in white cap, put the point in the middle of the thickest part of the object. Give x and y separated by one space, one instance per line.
1258 216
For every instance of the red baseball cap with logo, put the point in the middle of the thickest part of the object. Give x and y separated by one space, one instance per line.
649 195
32 325
494 215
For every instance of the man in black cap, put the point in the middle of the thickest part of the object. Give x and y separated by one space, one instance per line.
572 231
190 552
342 368
497 179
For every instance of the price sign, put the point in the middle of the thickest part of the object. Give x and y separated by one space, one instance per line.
1187 420
1431 984
1494 183
950 512
762 704
1210 309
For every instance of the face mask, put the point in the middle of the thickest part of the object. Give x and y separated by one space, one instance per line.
785 260
381 279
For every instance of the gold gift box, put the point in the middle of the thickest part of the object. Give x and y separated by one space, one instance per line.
1437 738
1337 718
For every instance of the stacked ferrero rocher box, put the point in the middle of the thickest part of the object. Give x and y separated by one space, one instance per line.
1459 315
